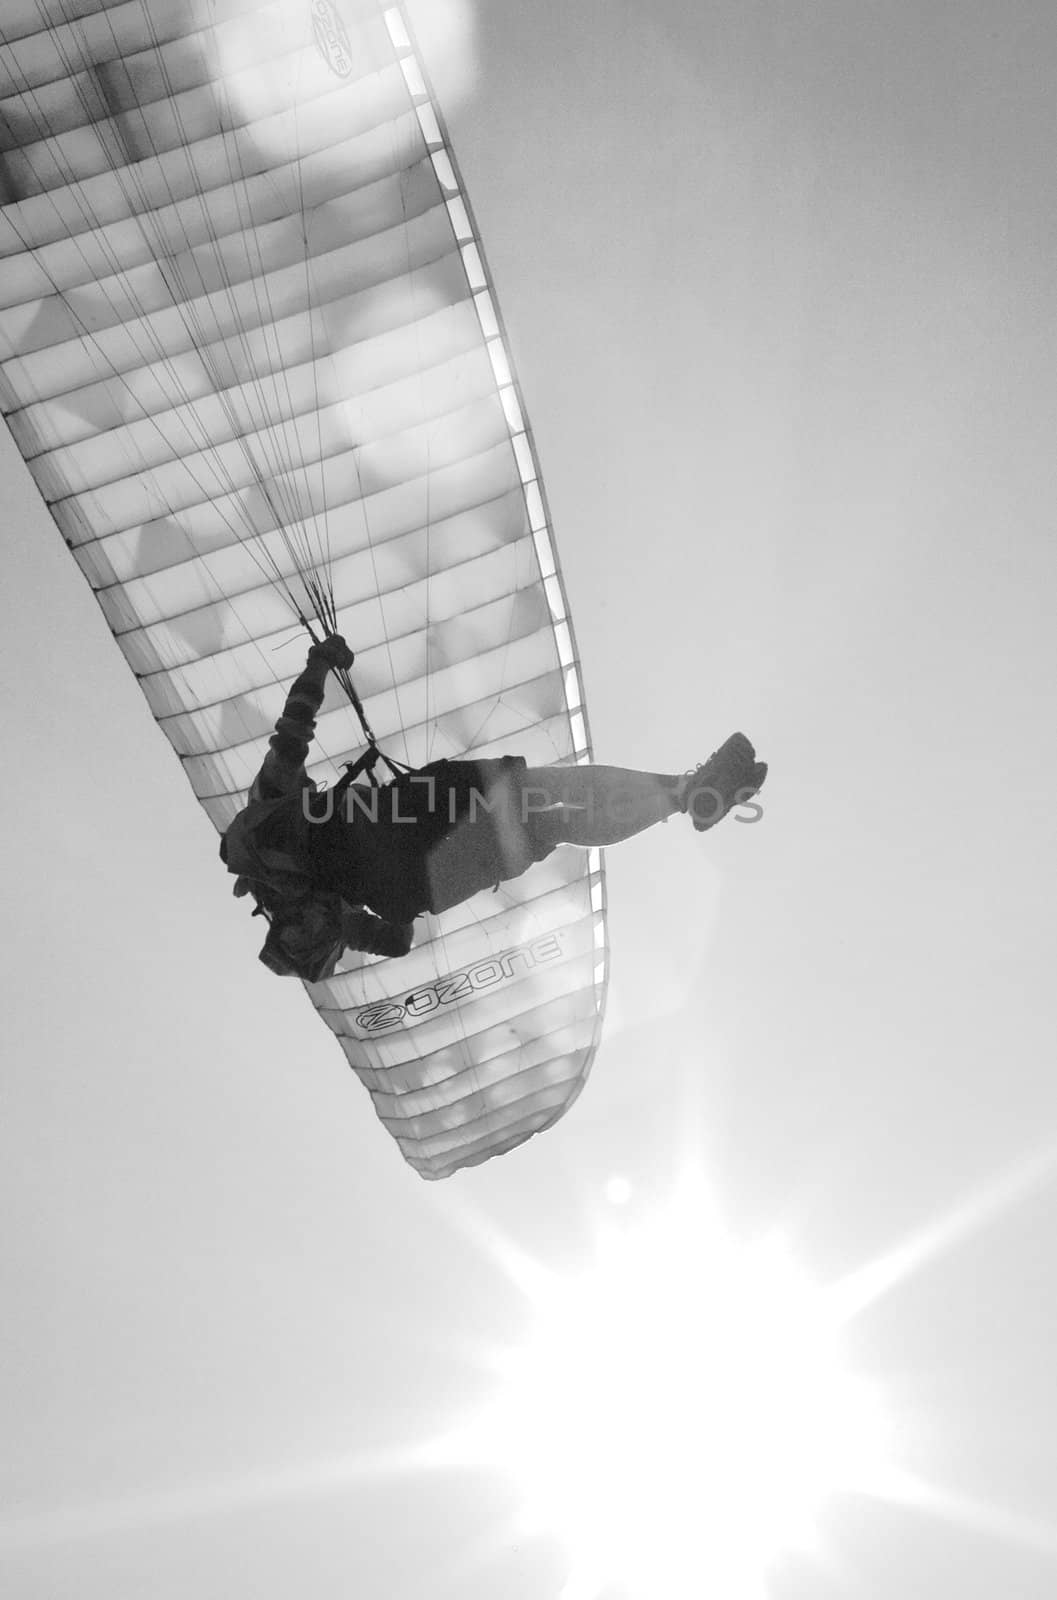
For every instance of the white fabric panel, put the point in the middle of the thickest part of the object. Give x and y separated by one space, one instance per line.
72 242
257 423
115 296
248 478
238 347
143 401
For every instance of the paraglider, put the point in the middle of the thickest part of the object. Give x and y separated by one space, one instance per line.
251 354
358 874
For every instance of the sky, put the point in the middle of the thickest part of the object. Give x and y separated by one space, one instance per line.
778 284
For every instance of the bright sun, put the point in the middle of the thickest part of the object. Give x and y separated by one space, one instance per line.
680 1412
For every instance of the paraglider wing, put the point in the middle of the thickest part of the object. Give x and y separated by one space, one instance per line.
251 355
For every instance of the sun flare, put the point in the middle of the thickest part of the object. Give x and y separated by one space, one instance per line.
681 1411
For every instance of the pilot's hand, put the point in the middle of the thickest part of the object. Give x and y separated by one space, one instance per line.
334 651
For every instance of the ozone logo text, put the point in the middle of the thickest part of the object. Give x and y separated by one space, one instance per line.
332 38
382 1015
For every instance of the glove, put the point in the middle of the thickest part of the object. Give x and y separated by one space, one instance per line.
362 930
334 651
393 939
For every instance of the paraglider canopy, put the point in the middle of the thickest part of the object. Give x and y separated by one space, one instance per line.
250 351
